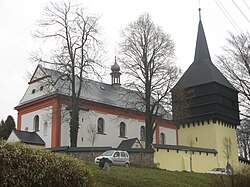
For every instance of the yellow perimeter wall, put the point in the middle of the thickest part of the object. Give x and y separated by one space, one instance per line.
211 135
180 161
208 135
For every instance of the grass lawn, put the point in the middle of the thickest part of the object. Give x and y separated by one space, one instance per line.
142 176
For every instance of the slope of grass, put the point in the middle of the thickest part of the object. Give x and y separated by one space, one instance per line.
143 177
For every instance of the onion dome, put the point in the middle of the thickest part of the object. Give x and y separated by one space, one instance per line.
115 67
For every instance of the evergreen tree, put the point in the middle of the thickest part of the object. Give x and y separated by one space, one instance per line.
10 124
6 127
1 129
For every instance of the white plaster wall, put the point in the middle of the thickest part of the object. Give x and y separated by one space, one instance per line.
13 138
170 135
45 115
111 130
29 95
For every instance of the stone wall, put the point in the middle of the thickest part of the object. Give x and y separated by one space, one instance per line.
87 154
145 158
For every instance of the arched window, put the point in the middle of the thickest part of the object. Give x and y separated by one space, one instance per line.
122 129
45 129
142 133
100 125
162 138
36 123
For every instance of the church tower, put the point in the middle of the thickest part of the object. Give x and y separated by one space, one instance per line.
115 75
212 111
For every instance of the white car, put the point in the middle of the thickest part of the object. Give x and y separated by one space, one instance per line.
117 157
220 171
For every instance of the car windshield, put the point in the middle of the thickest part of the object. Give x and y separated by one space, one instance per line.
108 153
217 169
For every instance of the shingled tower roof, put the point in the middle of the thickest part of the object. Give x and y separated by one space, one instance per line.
209 95
202 70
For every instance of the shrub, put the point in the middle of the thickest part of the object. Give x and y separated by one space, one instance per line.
238 179
23 166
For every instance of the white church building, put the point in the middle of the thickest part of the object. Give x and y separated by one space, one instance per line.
111 110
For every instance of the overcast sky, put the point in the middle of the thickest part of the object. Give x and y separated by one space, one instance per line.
179 18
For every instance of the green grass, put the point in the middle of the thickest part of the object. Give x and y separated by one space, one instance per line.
143 177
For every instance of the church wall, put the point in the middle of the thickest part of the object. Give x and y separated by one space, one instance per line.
178 160
34 91
27 121
170 135
111 136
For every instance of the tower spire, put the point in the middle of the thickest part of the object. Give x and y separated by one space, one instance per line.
199 14
201 50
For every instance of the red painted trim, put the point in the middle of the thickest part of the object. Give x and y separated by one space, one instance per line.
113 110
19 117
38 67
177 137
30 107
35 105
53 101
157 133
56 102
56 123
39 79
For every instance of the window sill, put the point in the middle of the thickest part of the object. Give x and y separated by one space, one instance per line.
101 133
123 137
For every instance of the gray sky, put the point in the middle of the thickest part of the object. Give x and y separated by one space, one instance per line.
177 17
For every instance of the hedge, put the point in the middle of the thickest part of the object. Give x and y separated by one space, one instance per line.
24 166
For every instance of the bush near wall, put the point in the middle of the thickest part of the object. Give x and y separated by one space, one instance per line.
23 166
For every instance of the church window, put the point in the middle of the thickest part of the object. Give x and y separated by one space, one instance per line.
100 125
122 129
45 129
162 138
142 133
36 123
41 88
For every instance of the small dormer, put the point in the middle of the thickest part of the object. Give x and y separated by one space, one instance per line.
115 75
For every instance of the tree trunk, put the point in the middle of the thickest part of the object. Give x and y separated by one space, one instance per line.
74 123
149 130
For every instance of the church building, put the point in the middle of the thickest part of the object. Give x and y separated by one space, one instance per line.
108 111
201 136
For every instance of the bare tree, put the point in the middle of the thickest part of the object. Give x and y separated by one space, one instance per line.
147 55
243 138
235 64
76 53
92 132
190 141
227 143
